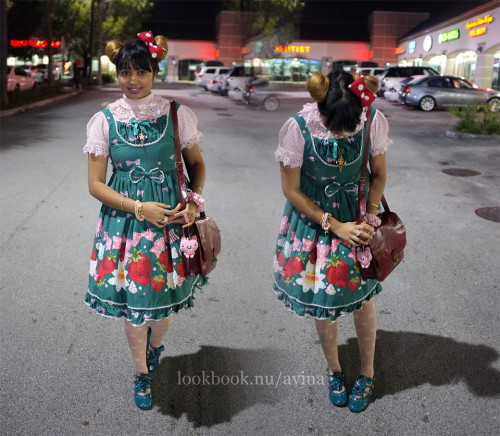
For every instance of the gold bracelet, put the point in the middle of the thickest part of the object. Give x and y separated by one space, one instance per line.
121 204
197 187
373 204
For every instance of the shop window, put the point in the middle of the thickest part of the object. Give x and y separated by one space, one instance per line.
495 83
465 65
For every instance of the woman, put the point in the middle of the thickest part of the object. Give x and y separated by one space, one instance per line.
316 271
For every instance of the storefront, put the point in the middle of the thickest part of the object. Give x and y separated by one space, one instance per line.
467 46
297 60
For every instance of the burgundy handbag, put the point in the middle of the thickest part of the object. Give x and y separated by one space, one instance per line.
204 229
389 240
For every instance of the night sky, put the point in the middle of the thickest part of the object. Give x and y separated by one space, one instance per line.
336 20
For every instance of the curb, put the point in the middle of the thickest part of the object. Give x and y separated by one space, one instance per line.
41 103
459 135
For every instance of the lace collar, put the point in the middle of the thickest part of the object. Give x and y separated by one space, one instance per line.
311 115
147 108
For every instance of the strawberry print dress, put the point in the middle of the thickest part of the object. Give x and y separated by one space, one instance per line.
136 268
317 274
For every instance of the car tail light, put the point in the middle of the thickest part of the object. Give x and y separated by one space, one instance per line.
407 90
200 75
251 90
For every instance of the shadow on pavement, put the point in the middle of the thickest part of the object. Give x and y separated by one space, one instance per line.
216 383
404 360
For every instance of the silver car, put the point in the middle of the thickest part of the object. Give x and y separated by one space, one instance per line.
440 91
259 93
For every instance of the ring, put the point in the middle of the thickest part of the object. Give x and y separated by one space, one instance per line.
165 219
186 218
357 233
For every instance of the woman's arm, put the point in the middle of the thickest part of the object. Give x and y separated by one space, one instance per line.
351 232
195 166
377 182
152 211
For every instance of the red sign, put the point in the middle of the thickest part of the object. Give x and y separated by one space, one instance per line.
33 43
477 31
370 54
399 50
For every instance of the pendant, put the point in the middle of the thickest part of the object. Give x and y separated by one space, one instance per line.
340 162
142 137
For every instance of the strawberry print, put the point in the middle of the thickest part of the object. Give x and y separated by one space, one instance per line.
106 266
157 282
297 264
139 267
337 271
354 282
165 263
281 258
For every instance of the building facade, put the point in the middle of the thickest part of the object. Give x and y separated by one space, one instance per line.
467 45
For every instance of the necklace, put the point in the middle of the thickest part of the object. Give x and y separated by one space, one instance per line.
337 151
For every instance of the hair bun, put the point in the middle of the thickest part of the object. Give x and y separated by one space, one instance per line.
371 84
162 42
318 86
112 49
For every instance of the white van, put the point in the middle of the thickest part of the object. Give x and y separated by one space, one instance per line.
207 74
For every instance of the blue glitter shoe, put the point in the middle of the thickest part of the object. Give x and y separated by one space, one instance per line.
142 384
338 392
361 394
153 356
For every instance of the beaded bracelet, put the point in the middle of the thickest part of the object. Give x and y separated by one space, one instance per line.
197 199
138 210
325 222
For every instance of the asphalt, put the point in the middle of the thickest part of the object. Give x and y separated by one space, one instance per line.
67 371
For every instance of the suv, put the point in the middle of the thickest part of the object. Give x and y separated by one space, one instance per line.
392 76
206 74
370 71
235 79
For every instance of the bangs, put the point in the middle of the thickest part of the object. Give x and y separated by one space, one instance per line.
135 55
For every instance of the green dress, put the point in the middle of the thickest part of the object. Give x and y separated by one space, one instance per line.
317 274
136 268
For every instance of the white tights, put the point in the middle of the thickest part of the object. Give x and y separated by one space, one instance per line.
365 322
137 337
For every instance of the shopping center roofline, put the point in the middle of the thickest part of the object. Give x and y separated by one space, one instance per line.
430 25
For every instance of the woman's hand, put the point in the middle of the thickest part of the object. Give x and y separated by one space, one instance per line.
185 216
158 213
355 234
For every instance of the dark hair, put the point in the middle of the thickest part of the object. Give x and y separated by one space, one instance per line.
341 109
135 54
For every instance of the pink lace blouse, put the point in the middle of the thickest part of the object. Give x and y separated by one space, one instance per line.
150 107
291 142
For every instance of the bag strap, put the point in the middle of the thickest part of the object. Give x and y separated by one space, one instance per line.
362 179
179 166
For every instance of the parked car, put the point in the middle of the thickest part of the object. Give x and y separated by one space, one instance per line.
392 94
18 79
260 93
207 74
430 92
392 76
35 72
215 84
236 77
370 71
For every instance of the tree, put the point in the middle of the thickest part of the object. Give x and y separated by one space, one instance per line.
272 15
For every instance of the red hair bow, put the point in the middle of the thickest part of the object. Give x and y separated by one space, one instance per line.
148 39
358 87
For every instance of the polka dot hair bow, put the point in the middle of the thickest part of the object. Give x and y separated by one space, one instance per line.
148 39
358 87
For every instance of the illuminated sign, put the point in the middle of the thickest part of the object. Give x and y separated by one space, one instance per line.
480 22
449 36
246 49
370 54
292 48
33 43
216 54
478 31
258 46
427 43
399 50
411 46
474 26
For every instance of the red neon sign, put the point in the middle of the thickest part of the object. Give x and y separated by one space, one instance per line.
37 43
370 54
